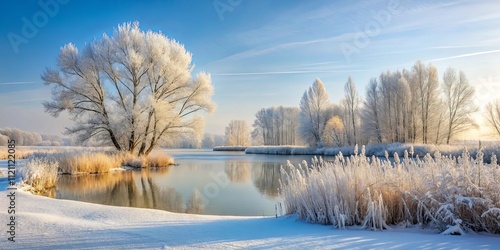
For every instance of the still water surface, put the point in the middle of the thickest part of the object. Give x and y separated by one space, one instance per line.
204 182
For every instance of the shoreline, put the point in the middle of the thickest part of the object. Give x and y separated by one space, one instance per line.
377 150
46 223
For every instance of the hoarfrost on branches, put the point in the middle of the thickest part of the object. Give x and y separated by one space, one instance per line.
315 111
133 90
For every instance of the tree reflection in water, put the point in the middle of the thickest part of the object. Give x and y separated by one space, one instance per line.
127 188
190 187
195 204
237 172
266 178
265 175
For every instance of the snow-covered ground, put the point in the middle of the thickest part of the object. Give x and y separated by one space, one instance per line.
45 223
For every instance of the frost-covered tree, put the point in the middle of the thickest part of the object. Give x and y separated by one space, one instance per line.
22 138
276 126
395 106
492 115
351 103
459 96
133 90
315 111
426 83
403 110
406 106
211 141
208 141
387 110
334 132
370 116
237 133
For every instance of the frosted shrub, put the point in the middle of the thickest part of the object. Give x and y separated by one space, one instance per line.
452 194
40 174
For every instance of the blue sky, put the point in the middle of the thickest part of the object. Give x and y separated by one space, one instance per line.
260 53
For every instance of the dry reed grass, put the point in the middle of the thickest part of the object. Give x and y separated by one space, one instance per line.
88 162
20 153
157 160
446 193
41 169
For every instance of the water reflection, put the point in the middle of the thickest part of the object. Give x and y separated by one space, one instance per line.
124 188
195 204
252 185
237 172
266 178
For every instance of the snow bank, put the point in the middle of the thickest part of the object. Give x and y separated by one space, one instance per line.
378 150
280 150
230 148
46 223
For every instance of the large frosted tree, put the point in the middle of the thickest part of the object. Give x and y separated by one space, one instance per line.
315 111
133 90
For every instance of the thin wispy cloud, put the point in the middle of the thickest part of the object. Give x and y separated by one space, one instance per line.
466 55
29 101
458 46
458 13
442 47
16 83
321 63
282 27
31 96
286 72
288 45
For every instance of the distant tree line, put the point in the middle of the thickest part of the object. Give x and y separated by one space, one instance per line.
24 138
411 106
276 126
408 105
272 126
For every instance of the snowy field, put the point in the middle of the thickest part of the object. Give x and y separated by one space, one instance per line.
45 223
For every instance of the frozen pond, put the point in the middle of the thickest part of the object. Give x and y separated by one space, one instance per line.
204 181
